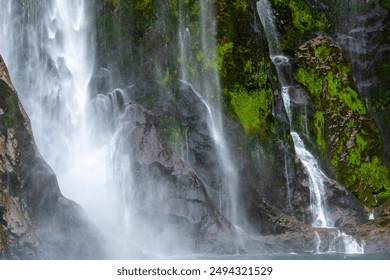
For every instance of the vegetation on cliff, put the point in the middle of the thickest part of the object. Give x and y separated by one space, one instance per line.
350 138
344 133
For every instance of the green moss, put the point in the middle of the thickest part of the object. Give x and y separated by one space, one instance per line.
302 19
312 82
111 2
376 181
322 52
385 4
318 127
346 94
252 109
224 50
351 137
297 19
384 70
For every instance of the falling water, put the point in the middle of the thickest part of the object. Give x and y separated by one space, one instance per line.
316 176
282 64
317 191
48 50
208 93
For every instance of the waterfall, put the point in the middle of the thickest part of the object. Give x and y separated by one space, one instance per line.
317 191
283 67
48 46
208 91
319 209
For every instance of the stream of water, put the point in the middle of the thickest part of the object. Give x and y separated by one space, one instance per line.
318 201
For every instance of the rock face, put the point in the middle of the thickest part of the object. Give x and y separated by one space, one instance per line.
36 221
342 128
165 192
365 41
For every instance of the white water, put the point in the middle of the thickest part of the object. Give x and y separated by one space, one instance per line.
341 242
51 68
282 64
317 189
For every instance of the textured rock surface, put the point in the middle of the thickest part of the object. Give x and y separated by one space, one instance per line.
343 129
36 221
165 187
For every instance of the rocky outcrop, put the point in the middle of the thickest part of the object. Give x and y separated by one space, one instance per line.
375 233
36 221
165 192
365 40
342 128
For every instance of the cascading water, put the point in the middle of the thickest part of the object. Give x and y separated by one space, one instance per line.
81 138
318 202
210 87
48 50
282 64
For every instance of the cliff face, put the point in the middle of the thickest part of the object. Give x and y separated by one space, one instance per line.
36 220
147 48
345 102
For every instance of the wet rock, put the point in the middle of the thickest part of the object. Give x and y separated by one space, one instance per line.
375 233
36 221
164 186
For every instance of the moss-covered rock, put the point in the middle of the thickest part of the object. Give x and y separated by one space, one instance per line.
350 137
297 20
244 65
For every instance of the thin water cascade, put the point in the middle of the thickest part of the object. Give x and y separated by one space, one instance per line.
319 209
209 94
283 66
317 198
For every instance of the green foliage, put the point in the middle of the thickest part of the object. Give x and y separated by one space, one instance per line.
241 4
384 70
167 78
223 50
111 2
375 177
312 82
385 4
322 52
243 68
